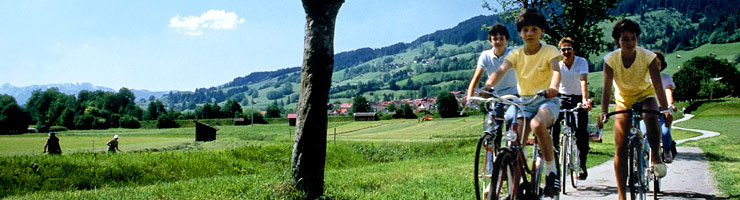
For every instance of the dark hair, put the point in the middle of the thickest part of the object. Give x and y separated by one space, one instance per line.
498 29
659 55
531 17
625 25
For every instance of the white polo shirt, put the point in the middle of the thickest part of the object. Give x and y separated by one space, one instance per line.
570 79
491 63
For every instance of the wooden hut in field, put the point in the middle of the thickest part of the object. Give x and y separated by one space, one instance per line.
366 116
240 121
204 132
291 119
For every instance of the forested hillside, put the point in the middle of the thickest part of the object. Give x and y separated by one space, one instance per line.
445 59
672 25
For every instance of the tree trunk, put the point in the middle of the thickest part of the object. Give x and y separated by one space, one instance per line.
309 147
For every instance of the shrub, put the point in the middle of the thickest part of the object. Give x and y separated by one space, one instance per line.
58 128
128 121
84 122
166 121
447 104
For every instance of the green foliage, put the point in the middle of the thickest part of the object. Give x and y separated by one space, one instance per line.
391 107
710 89
167 120
360 104
128 121
695 73
272 111
577 19
447 104
13 118
405 111
231 108
154 109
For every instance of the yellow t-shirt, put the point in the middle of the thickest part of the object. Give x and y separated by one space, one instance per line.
533 72
631 84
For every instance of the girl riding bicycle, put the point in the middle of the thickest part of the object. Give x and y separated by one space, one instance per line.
636 76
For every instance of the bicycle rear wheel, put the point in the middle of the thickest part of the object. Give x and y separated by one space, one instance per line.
484 157
505 176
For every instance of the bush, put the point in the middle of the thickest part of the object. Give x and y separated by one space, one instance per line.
58 128
447 104
101 123
128 121
166 121
700 69
84 122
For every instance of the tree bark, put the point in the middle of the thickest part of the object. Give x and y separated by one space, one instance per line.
309 146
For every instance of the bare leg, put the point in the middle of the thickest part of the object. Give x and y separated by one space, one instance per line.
652 128
621 125
540 124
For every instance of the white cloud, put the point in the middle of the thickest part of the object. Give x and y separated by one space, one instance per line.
212 19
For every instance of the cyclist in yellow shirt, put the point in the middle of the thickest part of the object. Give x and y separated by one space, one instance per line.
536 68
631 68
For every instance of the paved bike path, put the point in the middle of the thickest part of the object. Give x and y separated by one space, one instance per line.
688 176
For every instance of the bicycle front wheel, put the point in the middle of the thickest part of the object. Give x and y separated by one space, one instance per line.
575 165
636 173
484 157
505 176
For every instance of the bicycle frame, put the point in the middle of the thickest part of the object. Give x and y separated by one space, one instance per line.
638 152
569 150
514 141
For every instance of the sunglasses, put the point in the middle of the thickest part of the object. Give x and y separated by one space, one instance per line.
566 49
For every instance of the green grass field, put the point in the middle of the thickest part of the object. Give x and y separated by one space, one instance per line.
720 116
390 159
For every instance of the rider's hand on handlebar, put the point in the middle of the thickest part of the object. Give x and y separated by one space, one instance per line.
551 92
601 121
587 104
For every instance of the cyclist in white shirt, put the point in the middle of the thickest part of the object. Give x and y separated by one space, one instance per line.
573 90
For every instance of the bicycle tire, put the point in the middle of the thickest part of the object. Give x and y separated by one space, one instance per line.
505 176
481 176
631 176
564 142
575 165
638 170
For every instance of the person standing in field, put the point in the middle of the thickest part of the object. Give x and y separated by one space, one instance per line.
489 61
113 145
573 90
52 144
536 68
635 75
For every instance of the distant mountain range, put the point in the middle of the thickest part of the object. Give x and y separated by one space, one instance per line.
22 94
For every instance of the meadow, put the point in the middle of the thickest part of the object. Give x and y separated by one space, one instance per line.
398 159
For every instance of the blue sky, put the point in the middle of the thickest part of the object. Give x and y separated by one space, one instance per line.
183 45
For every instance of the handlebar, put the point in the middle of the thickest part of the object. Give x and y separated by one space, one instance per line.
505 99
636 109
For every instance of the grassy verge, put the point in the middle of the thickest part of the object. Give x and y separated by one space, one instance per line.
721 151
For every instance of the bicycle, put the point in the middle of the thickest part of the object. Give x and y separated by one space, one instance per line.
485 153
570 161
639 174
507 178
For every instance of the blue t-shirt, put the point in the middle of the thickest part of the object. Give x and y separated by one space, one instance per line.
491 63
